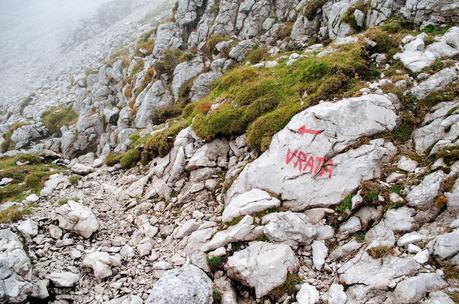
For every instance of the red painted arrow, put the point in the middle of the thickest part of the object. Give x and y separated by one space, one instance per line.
302 130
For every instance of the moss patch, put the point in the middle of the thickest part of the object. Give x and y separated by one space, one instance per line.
262 101
55 118
27 179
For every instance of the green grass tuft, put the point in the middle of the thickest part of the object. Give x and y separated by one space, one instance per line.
55 118
130 158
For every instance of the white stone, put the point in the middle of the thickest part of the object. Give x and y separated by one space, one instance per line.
64 279
289 228
422 257
28 228
409 238
308 294
407 164
250 202
186 285
412 290
319 253
75 217
336 294
263 266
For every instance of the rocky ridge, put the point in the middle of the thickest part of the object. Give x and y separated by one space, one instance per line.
336 210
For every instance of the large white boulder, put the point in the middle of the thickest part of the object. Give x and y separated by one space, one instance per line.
75 217
296 166
186 285
263 266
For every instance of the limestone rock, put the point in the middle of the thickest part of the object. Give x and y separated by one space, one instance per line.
423 195
154 98
100 263
319 253
412 290
289 228
184 72
435 83
336 294
190 285
75 217
263 266
252 201
64 279
245 230
446 245
308 294
295 165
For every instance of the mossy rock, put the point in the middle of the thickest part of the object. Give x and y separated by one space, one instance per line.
55 118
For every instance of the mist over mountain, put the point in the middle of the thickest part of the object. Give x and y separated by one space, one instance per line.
40 39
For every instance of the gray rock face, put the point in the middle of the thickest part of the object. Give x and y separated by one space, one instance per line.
154 98
224 21
289 228
412 290
186 285
296 163
201 86
15 269
186 11
239 51
245 230
169 37
25 135
435 83
446 245
431 11
184 72
440 129
263 266
334 14
250 202
375 273
423 195
75 217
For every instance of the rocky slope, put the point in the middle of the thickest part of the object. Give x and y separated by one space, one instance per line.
245 152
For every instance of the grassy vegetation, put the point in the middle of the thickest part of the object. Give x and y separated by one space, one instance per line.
349 15
13 214
145 43
256 55
213 41
55 118
113 159
7 143
170 59
162 142
345 205
311 8
130 158
262 101
27 179
288 287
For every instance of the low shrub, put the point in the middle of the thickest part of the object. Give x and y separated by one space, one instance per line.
213 41
256 55
170 59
